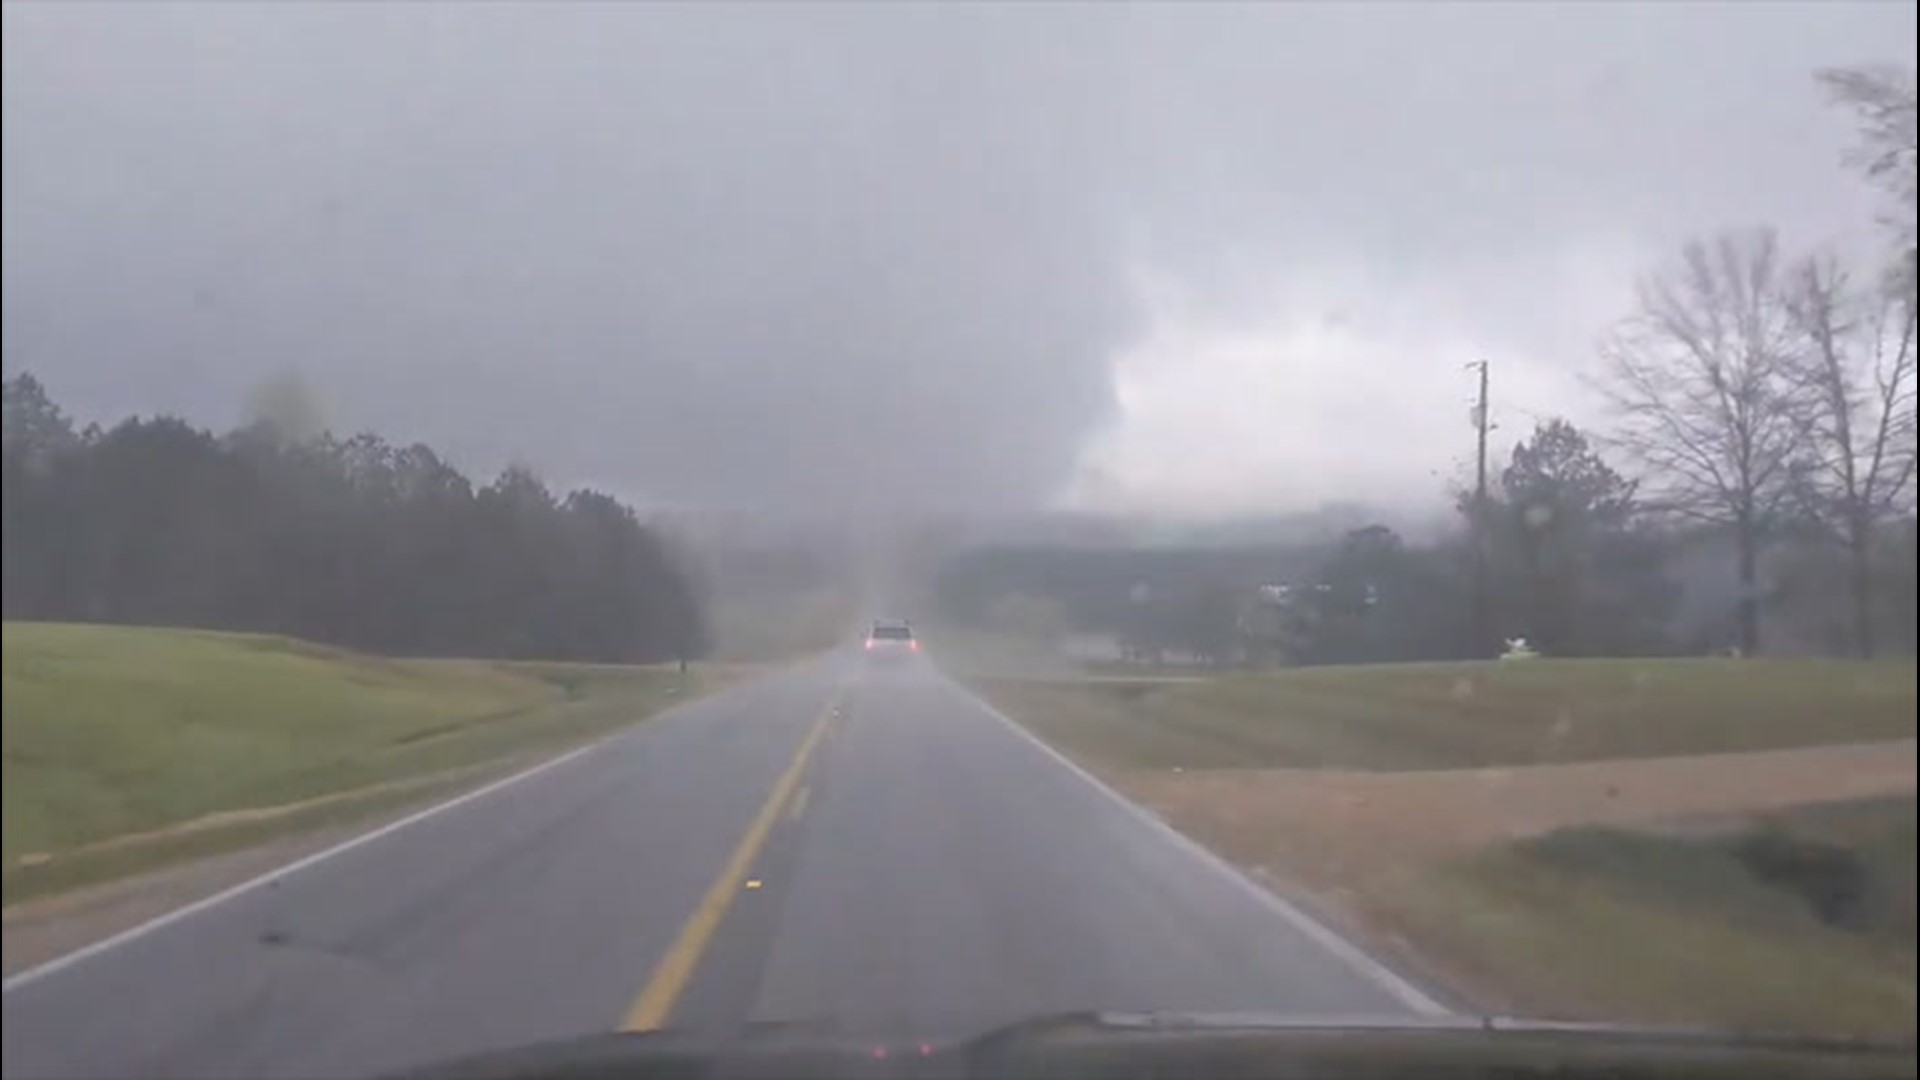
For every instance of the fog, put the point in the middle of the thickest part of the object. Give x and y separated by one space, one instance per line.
843 259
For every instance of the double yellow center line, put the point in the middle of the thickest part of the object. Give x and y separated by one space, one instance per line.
676 968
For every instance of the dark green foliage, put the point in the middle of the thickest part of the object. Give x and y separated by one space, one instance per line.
1832 880
353 542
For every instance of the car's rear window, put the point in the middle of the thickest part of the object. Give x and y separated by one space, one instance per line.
892 633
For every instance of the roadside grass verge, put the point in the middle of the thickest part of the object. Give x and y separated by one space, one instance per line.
127 748
1521 831
1801 921
1449 716
123 858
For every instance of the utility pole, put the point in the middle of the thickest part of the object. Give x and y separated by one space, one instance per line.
1482 601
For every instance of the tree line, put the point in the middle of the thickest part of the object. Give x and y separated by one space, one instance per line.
1579 564
1575 568
1763 423
356 542
1772 396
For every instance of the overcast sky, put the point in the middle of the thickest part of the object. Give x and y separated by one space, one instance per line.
1196 260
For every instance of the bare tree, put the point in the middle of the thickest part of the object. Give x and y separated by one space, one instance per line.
1702 378
1882 100
1857 417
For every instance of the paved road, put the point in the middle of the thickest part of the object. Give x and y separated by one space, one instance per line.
873 848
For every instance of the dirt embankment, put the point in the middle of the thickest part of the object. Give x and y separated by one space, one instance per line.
1328 828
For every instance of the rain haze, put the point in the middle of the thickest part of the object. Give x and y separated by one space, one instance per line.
967 539
854 258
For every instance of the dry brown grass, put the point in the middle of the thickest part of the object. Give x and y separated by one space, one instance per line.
1336 829
1588 867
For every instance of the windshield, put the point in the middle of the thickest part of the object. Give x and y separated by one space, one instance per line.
533 520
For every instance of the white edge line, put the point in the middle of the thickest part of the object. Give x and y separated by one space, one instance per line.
1355 957
61 963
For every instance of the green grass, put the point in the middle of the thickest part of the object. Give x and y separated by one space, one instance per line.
1437 716
1682 929
111 731
1801 921
94 866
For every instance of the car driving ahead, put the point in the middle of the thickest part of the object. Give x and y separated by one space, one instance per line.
891 640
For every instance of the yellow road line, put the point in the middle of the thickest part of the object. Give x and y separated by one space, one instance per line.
799 803
676 968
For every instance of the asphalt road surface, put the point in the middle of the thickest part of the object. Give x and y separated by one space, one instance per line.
870 850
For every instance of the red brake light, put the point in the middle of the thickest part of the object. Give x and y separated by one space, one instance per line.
869 643
914 644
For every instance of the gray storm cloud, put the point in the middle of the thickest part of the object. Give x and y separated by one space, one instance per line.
749 255
859 256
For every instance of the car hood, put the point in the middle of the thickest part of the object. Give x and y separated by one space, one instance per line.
1102 1044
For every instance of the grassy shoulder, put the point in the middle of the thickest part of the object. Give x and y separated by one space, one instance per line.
1450 716
1803 921
126 747
1531 833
